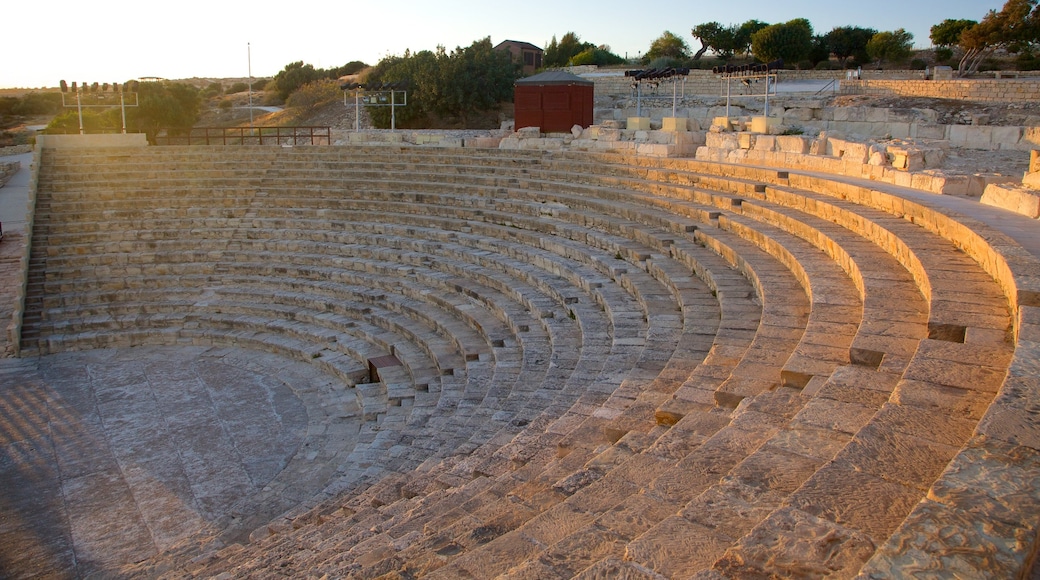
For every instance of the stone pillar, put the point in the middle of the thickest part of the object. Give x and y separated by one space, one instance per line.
638 124
674 124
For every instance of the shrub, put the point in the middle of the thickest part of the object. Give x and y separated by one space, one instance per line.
828 65
918 64
943 55
237 88
225 105
315 93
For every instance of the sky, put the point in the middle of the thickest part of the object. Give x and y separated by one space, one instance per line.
119 40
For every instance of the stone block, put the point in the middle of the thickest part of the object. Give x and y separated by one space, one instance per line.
674 124
483 142
764 125
638 124
721 140
765 143
722 123
876 115
747 141
1031 136
798 115
954 185
792 144
856 152
654 149
978 182
1018 199
529 132
928 131
1006 137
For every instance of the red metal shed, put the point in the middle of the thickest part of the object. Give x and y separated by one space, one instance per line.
555 101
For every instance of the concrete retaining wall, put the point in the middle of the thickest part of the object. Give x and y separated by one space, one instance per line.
91 141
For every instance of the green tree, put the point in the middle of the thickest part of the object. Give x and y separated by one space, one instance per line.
351 68
890 46
790 41
560 53
294 76
742 36
457 84
163 105
849 42
948 32
1017 25
314 94
712 36
669 46
599 56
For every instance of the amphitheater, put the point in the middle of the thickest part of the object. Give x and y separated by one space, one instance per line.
401 362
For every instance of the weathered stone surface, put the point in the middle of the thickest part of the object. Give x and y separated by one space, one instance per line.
794 544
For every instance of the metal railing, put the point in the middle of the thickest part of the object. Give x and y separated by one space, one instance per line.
284 136
833 86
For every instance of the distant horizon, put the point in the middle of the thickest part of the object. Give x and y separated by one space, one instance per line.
216 40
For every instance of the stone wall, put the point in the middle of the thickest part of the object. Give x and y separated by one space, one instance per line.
92 141
613 82
981 90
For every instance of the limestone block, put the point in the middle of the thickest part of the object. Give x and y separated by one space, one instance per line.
721 140
765 143
764 125
723 123
1020 200
1034 161
692 124
1006 137
689 138
896 130
928 131
611 124
674 124
638 124
747 140
797 115
529 133
1031 136
953 185
877 115
934 157
856 152
609 134
483 142
576 130
978 182
511 142
654 149
793 144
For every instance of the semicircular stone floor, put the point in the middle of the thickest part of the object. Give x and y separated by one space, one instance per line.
112 456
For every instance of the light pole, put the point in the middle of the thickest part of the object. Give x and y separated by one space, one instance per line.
249 57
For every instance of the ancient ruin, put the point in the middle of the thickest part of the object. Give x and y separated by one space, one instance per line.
524 356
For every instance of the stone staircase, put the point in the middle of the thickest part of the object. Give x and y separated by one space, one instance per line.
610 366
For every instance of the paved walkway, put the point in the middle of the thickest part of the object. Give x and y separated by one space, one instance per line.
14 196
108 457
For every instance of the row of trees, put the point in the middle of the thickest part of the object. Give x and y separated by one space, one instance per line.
444 84
1015 28
160 105
571 51
793 41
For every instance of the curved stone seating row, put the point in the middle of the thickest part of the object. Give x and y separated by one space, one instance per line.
671 466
